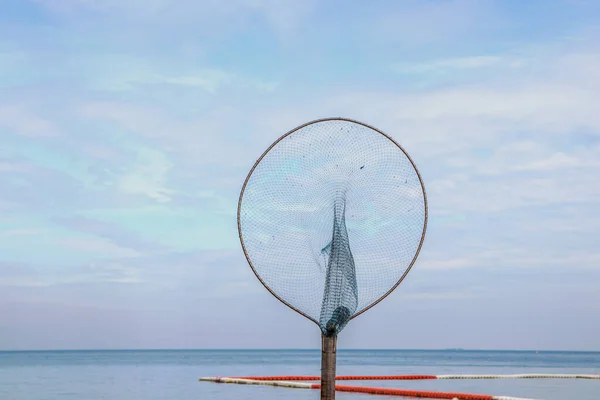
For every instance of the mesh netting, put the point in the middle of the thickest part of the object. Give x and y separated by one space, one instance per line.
331 218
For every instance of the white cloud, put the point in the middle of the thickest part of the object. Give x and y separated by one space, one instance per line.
571 220
18 120
21 232
14 166
442 296
458 114
148 176
209 80
95 245
467 194
556 93
557 162
464 63
50 274
114 272
24 281
452 263
502 256
119 72
518 174
528 128
204 140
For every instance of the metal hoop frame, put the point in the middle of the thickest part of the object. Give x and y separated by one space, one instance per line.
263 156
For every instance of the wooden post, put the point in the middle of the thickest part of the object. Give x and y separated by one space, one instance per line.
328 351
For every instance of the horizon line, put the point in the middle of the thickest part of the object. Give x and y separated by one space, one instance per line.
457 349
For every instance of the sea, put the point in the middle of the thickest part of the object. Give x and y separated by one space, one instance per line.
173 374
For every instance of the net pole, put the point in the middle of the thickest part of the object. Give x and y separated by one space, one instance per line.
328 360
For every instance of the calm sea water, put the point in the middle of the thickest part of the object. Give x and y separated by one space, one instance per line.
173 374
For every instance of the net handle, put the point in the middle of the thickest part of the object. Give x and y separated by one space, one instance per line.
328 363
263 156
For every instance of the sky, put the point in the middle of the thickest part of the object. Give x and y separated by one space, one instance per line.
129 126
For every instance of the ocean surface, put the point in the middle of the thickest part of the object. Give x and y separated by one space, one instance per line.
173 374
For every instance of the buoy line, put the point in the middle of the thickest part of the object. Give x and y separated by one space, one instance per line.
295 382
423 377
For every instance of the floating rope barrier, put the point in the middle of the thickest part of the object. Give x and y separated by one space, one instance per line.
244 381
422 377
522 376
342 378
296 382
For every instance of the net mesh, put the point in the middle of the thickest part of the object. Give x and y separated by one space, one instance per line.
331 218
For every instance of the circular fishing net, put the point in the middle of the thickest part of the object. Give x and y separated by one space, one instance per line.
331 218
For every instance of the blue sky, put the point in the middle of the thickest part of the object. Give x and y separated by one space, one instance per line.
128 128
